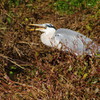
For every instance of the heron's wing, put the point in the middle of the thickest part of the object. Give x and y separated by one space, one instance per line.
71 33
72 39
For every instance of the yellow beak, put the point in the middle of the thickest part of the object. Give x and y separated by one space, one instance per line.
36 27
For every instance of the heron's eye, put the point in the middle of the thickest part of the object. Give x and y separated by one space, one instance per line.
49 25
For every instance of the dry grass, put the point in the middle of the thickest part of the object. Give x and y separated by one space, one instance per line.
30 70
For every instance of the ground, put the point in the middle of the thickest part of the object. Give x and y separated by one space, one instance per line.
29 70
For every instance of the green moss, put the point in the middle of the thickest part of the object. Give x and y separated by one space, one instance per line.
72 6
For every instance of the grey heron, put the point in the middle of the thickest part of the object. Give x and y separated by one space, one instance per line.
65 39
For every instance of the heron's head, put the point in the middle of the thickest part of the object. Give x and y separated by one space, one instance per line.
42 27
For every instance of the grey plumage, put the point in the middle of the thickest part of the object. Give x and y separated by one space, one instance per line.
67 40
74 41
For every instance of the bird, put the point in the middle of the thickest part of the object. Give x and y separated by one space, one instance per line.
65 39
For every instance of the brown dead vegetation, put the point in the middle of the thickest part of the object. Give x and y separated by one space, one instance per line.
30 70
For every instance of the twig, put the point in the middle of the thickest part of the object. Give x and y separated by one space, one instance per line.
9 59
29 86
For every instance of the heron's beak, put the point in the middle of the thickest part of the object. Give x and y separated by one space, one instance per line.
36 27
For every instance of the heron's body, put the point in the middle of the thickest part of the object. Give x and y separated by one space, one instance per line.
66 40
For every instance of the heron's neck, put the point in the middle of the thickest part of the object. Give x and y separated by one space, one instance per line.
47 36
50 32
